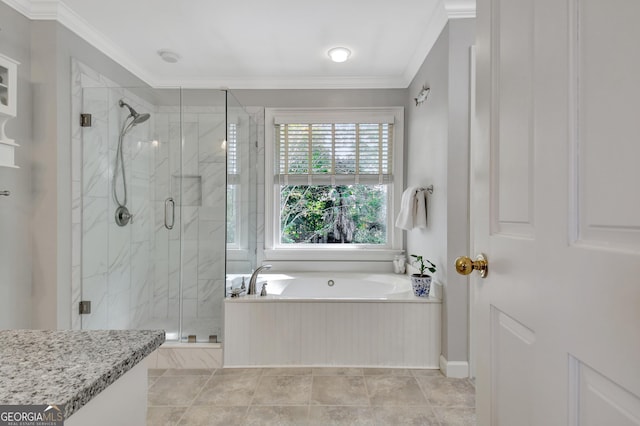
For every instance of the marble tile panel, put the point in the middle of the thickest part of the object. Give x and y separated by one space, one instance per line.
193 358
212 130
283 390
94 289
176 391
190 270
339 390
394 391
190 231
228 390
341 416
277 415
119 310
95 232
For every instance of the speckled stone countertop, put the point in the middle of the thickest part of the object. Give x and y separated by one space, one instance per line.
68 367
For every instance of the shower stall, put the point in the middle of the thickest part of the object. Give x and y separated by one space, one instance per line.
149 184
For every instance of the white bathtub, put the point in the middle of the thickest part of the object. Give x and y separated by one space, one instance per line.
329 286
362 320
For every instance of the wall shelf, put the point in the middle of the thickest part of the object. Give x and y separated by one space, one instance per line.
8 108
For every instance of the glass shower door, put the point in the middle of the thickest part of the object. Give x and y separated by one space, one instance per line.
130 262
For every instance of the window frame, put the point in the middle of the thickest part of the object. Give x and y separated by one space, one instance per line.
273 250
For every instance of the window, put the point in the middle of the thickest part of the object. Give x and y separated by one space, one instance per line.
233 188
336 177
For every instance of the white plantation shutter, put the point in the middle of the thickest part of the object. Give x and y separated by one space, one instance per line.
334 153
233 164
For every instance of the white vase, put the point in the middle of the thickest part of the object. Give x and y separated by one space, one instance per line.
421 285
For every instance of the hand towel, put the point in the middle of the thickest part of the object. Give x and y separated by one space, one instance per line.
420 217
413 209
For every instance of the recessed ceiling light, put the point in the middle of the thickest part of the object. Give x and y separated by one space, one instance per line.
169 56
339 54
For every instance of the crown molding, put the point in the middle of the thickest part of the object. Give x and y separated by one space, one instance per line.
269 82
460 9
432 31
57 10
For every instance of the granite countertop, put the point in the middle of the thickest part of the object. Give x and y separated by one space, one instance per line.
68 367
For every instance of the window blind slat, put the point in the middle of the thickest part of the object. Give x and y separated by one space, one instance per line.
334 149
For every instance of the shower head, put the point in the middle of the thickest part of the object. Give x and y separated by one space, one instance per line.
137 118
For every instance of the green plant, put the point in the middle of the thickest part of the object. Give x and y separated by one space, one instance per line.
422 264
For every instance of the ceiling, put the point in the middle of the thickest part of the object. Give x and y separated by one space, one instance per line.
265 44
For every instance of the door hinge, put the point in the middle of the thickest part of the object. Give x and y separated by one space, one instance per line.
85 307
85 120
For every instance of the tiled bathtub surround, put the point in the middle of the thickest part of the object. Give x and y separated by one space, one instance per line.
309 396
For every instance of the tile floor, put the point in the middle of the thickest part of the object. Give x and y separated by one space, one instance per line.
309 396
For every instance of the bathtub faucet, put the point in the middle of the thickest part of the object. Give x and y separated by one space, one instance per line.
254 278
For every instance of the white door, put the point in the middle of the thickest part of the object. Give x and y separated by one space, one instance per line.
556 202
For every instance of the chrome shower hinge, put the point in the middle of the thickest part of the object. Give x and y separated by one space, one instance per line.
85 307
85 120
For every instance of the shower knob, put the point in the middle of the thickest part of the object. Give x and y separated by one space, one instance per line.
123 216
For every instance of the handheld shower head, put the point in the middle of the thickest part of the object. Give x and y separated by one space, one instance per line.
137 118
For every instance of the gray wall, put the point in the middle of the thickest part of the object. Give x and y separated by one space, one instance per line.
322 98
52 47
438 153
15 234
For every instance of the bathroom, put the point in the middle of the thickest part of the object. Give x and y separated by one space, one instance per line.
53 251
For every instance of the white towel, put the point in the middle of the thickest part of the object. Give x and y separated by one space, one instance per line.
413 209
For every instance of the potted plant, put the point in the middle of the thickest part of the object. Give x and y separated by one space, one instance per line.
421 282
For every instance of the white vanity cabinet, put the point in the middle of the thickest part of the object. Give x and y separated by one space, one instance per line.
8 107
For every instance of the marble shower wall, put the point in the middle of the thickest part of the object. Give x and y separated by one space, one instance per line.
116 260
200 192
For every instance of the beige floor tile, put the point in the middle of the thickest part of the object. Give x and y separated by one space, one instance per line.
386 372
205 415
393 416
394 391
426 372
283 390
288 371
278 415
238 371
229 390
447 392
341 416
188 372
175 391
155 372
337 371
339 390
164 416
456 416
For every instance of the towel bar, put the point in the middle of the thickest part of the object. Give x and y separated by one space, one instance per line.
429 189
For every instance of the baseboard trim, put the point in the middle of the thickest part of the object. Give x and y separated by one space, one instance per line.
454 369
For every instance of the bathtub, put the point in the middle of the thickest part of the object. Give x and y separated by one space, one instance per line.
333 319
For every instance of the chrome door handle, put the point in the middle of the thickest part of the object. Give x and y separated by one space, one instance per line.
169 202
465 266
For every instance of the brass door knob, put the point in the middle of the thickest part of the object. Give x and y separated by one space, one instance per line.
465 265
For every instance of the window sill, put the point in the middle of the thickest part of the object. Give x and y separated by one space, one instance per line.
332 254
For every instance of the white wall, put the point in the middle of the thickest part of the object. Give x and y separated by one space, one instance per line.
437 153
15 234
